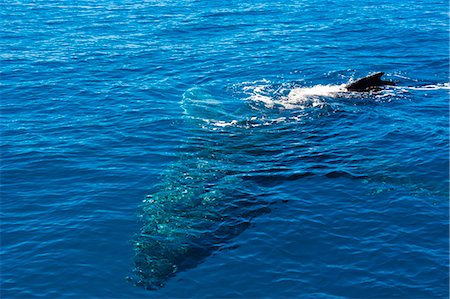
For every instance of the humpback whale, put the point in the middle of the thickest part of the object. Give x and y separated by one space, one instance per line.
368 83
211 194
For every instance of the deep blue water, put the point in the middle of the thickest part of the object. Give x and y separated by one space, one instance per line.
141 138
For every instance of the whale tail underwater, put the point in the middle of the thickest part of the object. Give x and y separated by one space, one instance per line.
368 83
207 196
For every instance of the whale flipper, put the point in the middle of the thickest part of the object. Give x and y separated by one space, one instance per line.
368 83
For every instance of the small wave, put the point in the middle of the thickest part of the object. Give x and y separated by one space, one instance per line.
251 122
439 86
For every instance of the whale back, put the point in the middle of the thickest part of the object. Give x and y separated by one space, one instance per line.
368 83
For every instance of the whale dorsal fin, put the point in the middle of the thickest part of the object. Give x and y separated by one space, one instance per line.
367 83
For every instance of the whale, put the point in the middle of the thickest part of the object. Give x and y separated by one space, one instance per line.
211 193
368 83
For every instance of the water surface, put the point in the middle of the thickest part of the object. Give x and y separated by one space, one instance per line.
321 195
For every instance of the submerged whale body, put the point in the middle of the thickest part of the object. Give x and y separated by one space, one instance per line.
368 83
203 199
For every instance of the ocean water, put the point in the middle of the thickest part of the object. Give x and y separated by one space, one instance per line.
193 149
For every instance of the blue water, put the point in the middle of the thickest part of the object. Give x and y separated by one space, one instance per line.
198 145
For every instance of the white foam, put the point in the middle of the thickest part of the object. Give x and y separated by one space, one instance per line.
311 96
293 98
221 123
304 93
269 102
439 86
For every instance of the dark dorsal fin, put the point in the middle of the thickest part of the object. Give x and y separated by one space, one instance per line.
367 83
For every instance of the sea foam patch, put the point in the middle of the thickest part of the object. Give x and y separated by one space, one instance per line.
439 86
289 96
